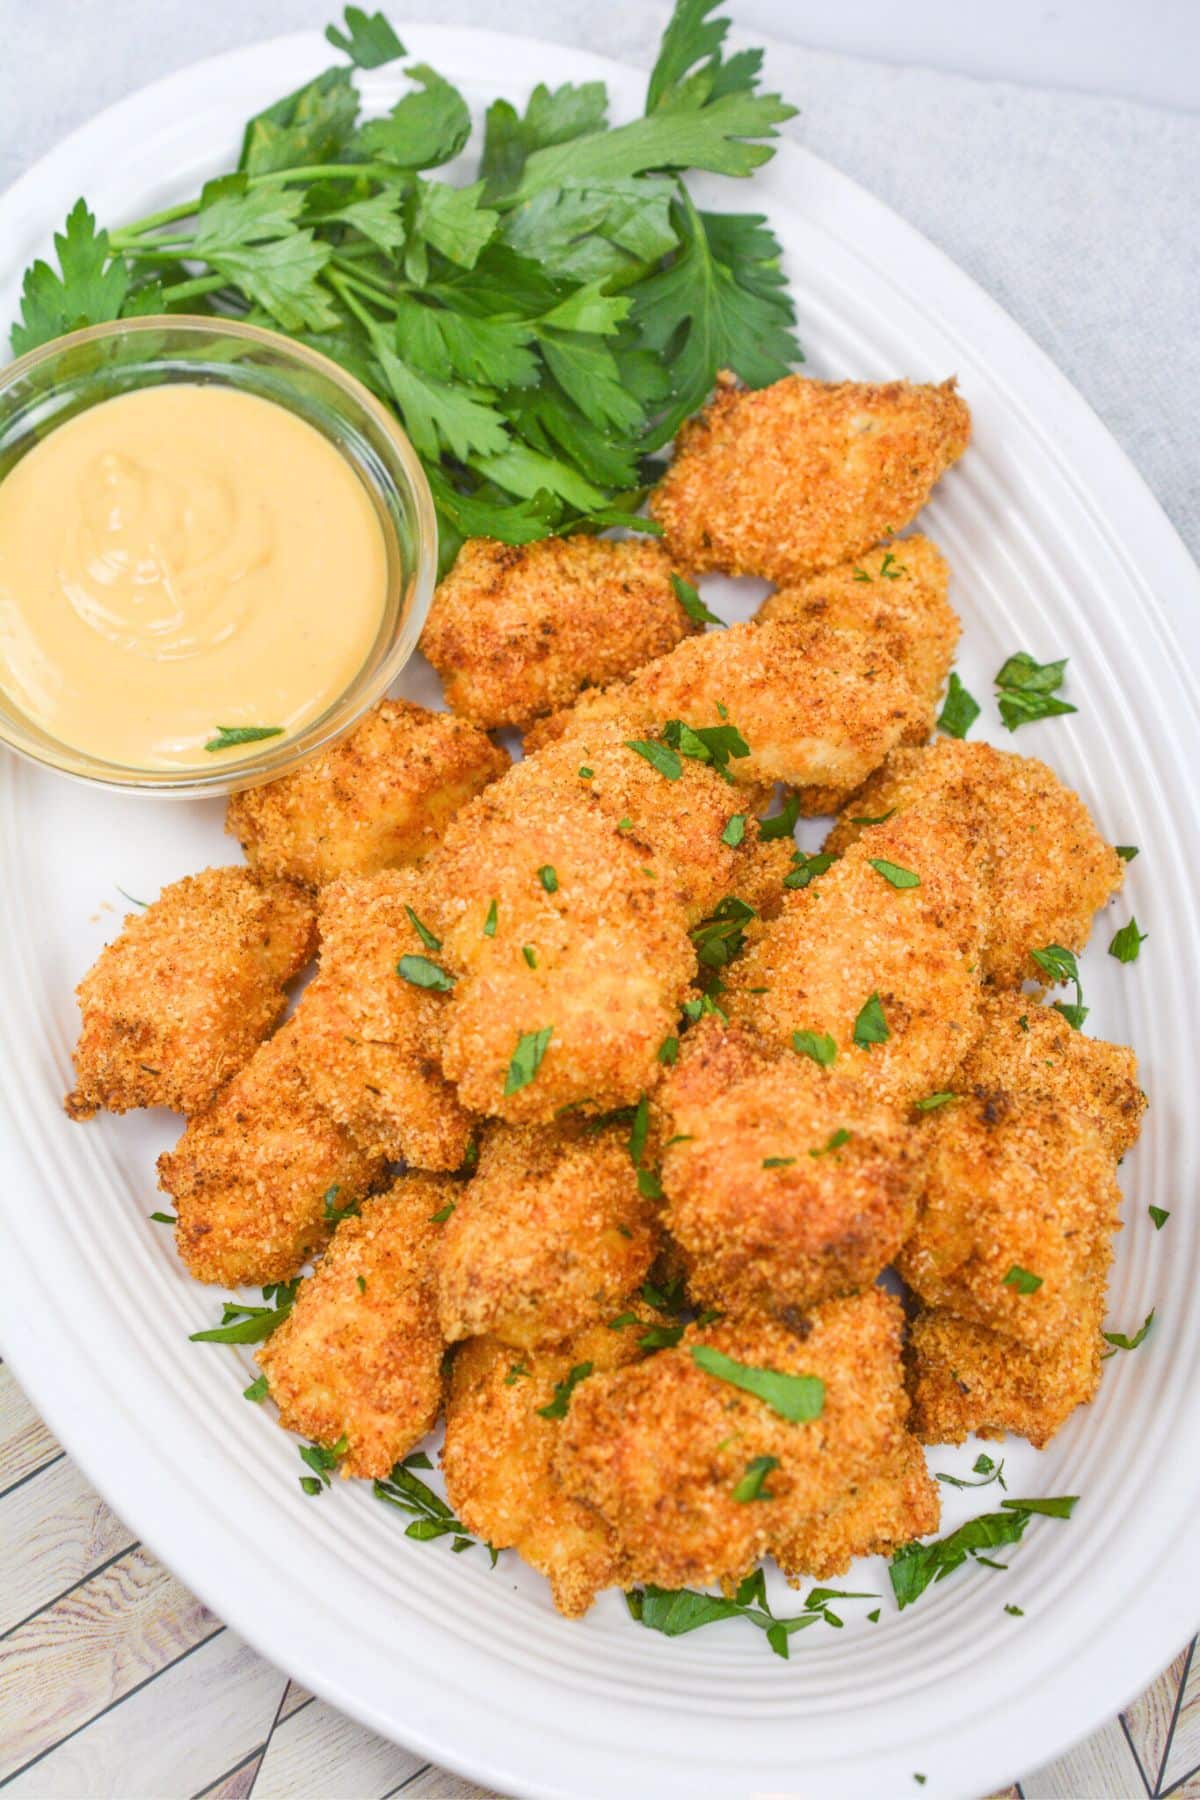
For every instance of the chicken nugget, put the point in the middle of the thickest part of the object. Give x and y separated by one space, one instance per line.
873 1516
1014 1223
787 480
879 953
547 1237
379 797
669 1451
900 595
369 1027
259 1175
817 707
1029 1052
965 1378
518 629
498 1458
179 1002
1047 868
784 1183
360 1355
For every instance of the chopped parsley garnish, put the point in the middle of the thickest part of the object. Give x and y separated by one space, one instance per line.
834 1142
1127 943
871 1027
649 1186
676 1611
983 1466
1060 964
423 932
668 1052
242 1324
1119 1340
132 898
443 1213
515 1373
734 831
1160 1216
659 756
162 1218
817 1044
931 1102
527 1058
751 1487
915 1566
797 1398
622 1320
557 1408
586 774
548 878
229 735
257 1391
692 604
530 955
423 973
893 873
960 709
489 924
780 824
778 1162
874 818
360 1283
1022 1280
888 572
705 1004
1126 852
431 1517
662 1337
625 824
1016 1611
807 868
1028 690
332 1213
722 936
713 744
639 1130
321 1460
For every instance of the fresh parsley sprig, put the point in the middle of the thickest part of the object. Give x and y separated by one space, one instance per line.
915 1566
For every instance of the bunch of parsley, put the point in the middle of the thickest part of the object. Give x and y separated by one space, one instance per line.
541 330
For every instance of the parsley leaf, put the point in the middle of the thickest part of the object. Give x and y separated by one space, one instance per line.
983 1466
960 709
423 932
1028 690
88 290
932 1102
794 1397
229 735
1126 852
819 1045
782 823
257 1391
1127 943
548 878
735 831
751 1486
242 1324
659 756
915 1566
421 972
870 1027
431 1517
692 604
368 40
1159 1215
807 867
1120 1341
891 872
1022 1280
557 1408
527 1058
835 1141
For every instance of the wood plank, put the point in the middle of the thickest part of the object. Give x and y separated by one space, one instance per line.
318 1754
437 1784
1102 1767
1183 1755
65 1665
237 1784
177 1735
25 1443
294 1698
1150 1719
1187 1789
54 1531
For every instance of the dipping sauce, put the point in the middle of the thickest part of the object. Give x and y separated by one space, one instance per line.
179 559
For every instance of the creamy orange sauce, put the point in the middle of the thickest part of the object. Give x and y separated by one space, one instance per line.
178 559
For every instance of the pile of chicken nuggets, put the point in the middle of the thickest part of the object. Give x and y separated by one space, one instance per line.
605 1102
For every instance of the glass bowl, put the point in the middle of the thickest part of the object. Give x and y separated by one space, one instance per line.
58 380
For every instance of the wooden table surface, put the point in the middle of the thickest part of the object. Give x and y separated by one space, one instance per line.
115 1681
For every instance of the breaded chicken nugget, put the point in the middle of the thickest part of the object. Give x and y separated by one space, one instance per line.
378 798
899 593
965 1378
252 1173
498 1459
872 1517
182 998
368 1036
785 1184
547 1237
1047 867
1029 1052
518 629
360 1355
667 1451
567 924
818 707
791 479
1014 1223
889 972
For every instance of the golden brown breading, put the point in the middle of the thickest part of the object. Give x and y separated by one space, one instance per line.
360 1355
659 1448
498 1460
850 935
516 630
1029 1052
1047 867
1010 1192
818 707
547 1237
179 1002
900 594
369 1041
875 1515
251 1173
966 1378
791 479
378 798
773 1207
594 880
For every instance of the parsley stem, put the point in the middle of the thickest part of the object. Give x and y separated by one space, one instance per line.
341 287
369 284
201 284
125 238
